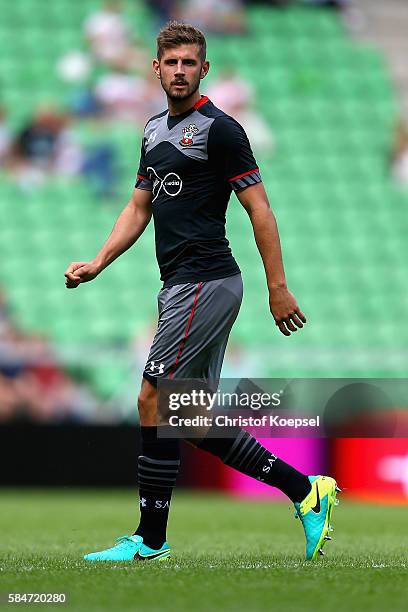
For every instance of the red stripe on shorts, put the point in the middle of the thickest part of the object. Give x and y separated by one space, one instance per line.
187 330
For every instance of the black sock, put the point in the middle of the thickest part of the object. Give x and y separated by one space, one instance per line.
244 453
158 467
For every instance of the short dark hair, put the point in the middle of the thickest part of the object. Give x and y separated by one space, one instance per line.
175 33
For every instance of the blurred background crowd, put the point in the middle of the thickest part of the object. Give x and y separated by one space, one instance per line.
321 90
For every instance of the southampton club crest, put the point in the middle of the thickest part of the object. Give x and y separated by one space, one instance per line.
188 133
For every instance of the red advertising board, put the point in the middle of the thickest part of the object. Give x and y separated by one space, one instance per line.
372 469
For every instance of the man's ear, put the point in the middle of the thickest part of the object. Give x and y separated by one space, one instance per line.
156 67
204 69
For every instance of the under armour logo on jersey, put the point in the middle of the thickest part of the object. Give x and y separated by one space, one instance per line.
171 183
152 137
153 367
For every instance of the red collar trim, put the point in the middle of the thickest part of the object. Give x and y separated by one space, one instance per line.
200 102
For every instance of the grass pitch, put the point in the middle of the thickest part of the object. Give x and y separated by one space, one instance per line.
228 555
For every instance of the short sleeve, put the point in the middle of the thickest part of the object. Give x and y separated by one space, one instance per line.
231 147
142 180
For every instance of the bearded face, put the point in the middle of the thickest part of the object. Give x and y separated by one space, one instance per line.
180 70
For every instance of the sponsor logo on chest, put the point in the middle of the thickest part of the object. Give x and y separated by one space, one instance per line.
171 184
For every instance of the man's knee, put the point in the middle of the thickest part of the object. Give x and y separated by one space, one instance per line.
147 404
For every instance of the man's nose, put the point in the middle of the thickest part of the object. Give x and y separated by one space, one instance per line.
180 68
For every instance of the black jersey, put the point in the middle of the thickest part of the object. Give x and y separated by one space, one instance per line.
192 162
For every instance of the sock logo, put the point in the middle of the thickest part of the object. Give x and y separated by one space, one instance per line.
143 502
267 468
159 503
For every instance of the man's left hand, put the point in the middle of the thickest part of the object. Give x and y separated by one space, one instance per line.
285 310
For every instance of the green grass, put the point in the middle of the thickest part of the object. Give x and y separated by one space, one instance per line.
228 555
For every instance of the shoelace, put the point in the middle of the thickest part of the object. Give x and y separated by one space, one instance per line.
123 539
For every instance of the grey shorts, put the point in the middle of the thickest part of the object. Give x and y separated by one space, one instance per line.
195 320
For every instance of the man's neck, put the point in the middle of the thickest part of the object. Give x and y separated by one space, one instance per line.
177 107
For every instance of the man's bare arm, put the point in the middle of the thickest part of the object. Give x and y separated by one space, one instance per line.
129 226
282 303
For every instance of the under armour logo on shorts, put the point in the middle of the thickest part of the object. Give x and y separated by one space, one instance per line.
153 367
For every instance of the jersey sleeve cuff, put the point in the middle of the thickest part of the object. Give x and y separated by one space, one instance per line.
251 177
142 182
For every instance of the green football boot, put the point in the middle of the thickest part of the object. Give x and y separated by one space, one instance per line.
315 513
130 548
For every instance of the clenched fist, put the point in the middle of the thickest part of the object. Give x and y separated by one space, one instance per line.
80 272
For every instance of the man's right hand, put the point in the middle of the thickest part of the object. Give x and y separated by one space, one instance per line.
80 272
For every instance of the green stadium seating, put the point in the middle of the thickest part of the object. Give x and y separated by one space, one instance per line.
331 105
